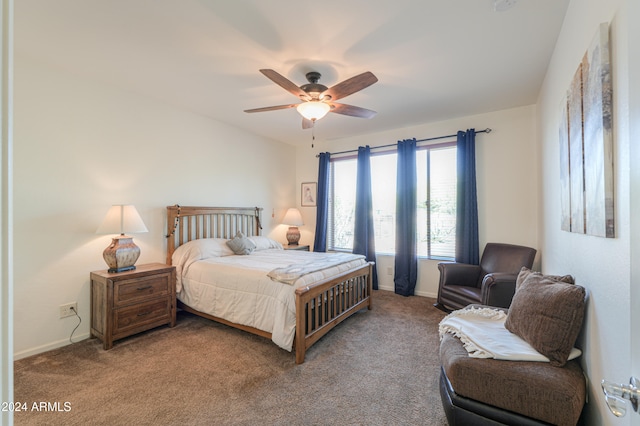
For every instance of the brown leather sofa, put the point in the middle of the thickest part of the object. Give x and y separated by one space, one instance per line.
491 283
547 312
483 392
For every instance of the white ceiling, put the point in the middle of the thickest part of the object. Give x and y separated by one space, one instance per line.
435 60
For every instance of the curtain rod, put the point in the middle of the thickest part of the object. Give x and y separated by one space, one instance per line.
487 130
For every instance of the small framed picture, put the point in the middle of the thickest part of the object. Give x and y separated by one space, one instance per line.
309 192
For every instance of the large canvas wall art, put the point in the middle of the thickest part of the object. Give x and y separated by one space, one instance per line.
586 144
565 179
576 172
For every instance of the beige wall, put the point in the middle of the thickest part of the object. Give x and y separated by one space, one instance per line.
601 265
81 146
506 181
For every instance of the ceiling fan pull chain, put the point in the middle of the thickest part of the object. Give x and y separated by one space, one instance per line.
313 132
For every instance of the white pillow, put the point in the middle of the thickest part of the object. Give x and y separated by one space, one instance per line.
265 243
201 249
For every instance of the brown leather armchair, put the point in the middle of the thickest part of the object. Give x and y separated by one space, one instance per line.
492 283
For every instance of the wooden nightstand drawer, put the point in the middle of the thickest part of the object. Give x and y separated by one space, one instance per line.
127 319
142 289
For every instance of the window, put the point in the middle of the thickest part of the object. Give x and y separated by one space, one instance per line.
436 201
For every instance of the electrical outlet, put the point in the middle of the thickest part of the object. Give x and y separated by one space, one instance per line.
68 310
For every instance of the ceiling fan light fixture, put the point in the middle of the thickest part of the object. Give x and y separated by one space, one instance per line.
313 110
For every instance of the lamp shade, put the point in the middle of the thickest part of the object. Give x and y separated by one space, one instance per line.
293 218
313 110
121 219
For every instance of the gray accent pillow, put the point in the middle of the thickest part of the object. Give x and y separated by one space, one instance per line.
548 315
525 272
241 244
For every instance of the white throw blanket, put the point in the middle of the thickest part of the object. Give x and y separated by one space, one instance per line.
291 273
482 332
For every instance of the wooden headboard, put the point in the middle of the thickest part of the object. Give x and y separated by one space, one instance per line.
186 223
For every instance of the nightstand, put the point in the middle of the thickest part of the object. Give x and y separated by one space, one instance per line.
296 247
126 303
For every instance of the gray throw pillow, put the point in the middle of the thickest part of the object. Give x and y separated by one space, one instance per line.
547 314
241 244
525 272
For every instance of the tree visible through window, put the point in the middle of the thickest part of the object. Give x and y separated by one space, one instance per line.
436 201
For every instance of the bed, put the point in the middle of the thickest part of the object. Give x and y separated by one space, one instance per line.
211 282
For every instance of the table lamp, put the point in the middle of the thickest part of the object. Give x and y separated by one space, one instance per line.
122 253
293 218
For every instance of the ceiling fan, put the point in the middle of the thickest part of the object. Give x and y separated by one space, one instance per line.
318 99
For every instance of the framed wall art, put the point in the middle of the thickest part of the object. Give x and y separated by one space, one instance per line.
586 144
309 193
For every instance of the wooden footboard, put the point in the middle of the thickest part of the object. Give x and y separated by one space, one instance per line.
323 305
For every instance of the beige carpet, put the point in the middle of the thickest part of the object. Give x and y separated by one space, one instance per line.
379 367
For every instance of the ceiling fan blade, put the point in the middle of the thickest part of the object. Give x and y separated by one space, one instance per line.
271 108
306 124
349 86
285 83
352 111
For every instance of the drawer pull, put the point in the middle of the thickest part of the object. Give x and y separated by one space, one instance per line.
143 288
141 314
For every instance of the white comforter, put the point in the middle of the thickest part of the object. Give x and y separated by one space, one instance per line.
237 288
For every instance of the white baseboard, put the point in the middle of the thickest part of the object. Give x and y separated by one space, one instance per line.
417 293
48 347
